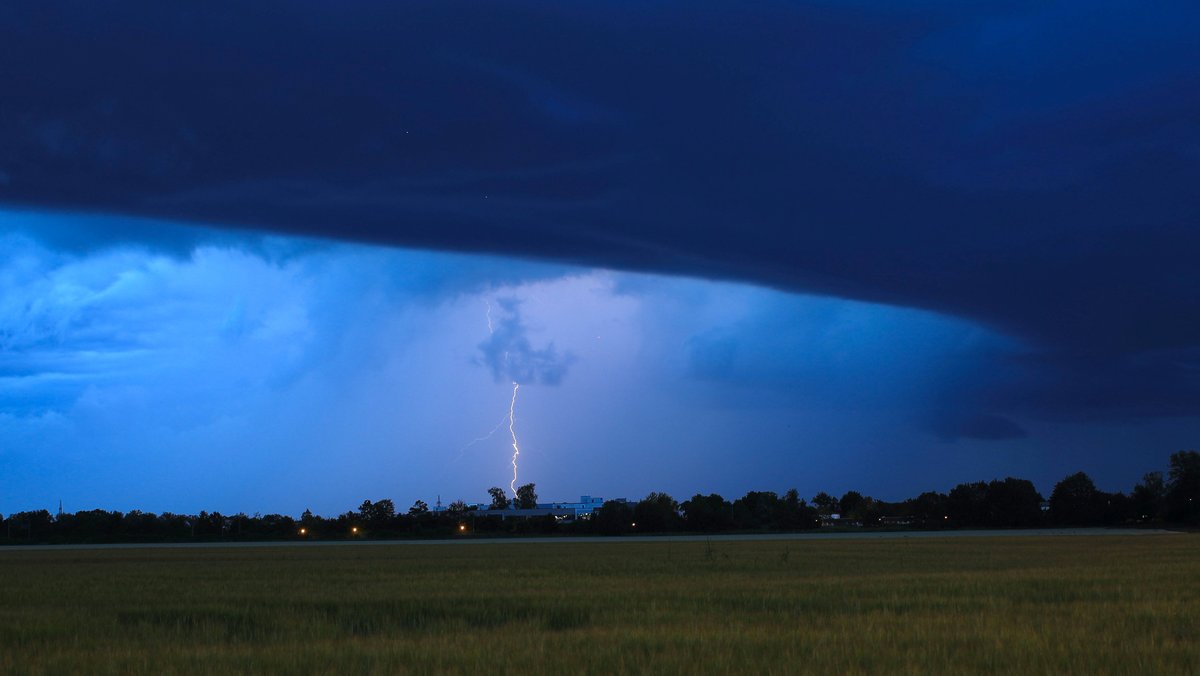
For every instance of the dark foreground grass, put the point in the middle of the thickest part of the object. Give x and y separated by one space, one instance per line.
1017 605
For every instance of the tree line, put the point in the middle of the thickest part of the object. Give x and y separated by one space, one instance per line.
1173 498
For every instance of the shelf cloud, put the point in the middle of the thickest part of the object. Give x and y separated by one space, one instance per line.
1030 167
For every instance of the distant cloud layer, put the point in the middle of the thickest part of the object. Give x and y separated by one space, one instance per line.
1030 166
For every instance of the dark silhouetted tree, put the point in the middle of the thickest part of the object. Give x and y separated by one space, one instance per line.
419 509
852 504
708 513
178 526
208 525
377 515
656 513
1116 508
365 511
33 526
1149 498
795 514
94 525
757 510
385 510
825 503
312 524
929 510
276 526
1076 502
1013 503
613 518
1183 487
499 498
967 505
871 511
526 497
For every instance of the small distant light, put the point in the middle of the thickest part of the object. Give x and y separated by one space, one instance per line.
462 528
633 525
945 517
354 529
303 531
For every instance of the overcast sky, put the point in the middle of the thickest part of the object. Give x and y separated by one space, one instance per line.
247 254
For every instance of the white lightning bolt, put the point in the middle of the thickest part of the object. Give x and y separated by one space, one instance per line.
462 451
512 414
512 431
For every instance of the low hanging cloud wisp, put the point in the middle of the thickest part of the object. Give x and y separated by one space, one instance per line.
510 355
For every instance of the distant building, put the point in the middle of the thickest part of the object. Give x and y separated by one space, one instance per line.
582 509
563 511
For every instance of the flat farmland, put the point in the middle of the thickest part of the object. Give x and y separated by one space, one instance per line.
1091 604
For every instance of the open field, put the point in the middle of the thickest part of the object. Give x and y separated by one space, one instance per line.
1115 604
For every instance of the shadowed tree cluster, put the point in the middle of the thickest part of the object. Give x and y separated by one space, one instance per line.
1002 503
1007 503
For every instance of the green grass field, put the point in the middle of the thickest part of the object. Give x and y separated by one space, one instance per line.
1111 604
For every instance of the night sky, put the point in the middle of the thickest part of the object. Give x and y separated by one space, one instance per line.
294 254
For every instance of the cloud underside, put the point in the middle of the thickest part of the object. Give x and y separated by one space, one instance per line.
1028 167
510 355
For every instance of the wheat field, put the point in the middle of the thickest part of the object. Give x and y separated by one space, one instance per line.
1103 604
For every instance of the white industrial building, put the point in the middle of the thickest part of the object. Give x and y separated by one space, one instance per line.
563 511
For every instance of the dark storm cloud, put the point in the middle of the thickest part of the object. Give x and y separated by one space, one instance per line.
1028 165
982 426
1103 386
